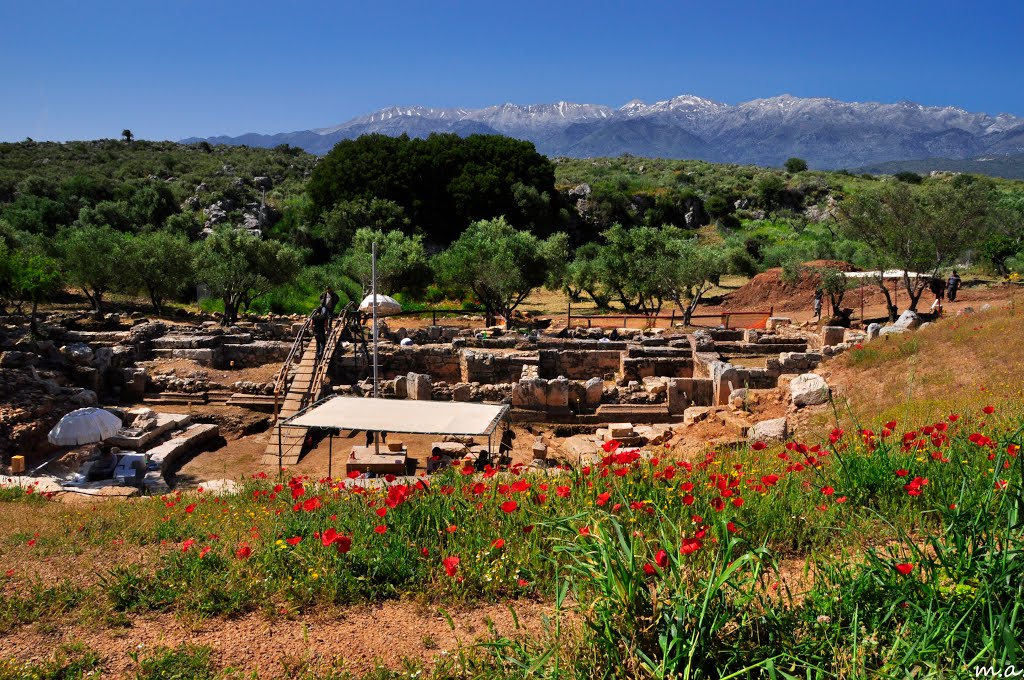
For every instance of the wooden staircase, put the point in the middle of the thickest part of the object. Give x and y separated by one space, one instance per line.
287 442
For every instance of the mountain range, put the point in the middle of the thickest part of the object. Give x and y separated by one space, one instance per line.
827 133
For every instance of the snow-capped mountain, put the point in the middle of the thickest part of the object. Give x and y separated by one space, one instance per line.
828 133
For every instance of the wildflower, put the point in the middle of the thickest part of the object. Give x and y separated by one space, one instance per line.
584 531
187 544
451 564
649 569
603 498
294 540
498 543
381 528
661 559
841 499
204 551
904 568
827 490
467 470
425 552
381 512
988 410
509 506
758 446
902 473
563 491
731 526
311 504
243 552
610 445
523 583
452 529
190 509
690 546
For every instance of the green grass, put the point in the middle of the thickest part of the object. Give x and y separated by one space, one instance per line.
671 566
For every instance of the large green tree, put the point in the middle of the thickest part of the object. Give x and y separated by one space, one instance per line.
93 259
239 267
27 277
402 265
498 263
159 263
694 269
919 230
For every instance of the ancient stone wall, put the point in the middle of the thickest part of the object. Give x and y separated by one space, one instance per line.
579 364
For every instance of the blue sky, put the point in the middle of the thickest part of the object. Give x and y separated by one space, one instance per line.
169 69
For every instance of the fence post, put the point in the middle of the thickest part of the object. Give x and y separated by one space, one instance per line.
672 320
433 318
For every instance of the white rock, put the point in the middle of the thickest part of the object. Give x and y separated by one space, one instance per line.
774 430
809 389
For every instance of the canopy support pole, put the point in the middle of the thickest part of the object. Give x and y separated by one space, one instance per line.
373 292
330 456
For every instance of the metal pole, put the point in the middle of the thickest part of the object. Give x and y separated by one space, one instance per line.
568 315
330 456
280 451
376 390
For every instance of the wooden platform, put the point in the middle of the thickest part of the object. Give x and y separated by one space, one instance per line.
363 459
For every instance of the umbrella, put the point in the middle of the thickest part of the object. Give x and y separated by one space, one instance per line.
385 305
84 426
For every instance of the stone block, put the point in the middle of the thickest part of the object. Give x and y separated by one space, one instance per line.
420 386
696 414
594 390
809 389
832 335
873 330
401 387
777 322
774 430
462 392
620 430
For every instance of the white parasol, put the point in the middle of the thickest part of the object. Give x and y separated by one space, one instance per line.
386 305
84 426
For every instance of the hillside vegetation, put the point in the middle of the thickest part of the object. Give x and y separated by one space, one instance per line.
152 219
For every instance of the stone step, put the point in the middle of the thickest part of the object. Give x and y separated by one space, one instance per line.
176 398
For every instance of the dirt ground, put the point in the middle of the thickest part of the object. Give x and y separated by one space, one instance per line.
355 639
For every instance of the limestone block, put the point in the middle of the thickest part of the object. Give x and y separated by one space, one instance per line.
832 335
594 389
873 330
696 414
401 387
558 393
617 430
809 389
776 322
774 430
420 386
462 392
891 330
908 320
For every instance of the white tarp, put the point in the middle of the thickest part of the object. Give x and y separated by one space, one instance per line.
385 305
398 415
887 274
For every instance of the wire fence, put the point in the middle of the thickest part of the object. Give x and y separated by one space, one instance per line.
725 319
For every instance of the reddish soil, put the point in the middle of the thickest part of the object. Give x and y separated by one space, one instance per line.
355 639
767 289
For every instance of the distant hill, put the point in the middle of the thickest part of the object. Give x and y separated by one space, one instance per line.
828 133
1010 166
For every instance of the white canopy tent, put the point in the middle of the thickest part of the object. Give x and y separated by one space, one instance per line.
399 415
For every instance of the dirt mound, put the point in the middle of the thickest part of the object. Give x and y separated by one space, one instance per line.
768 289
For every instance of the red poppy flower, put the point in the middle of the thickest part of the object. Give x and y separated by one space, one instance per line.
187 544
731 527
354 474
509 506
827 490
689 546
841 499
451 564
610 445
311 504
603 498
902 473
468 470
661 559
381 528
904 568
243 552
381 512
298 491
498 543
563 491
452 529
294 540
988 410
649 569
528 528
737 502
425 552
584 531
759 446
190 508
520 486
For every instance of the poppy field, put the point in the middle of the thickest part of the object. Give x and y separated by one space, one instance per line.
874 552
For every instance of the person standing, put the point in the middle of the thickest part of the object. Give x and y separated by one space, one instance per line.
329 300
938 288
818 295
318 321
952 286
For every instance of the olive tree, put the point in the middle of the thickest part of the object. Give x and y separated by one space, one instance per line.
93 258
240 267
498 263
402 264
159 263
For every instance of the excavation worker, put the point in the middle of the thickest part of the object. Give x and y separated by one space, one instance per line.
952 286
